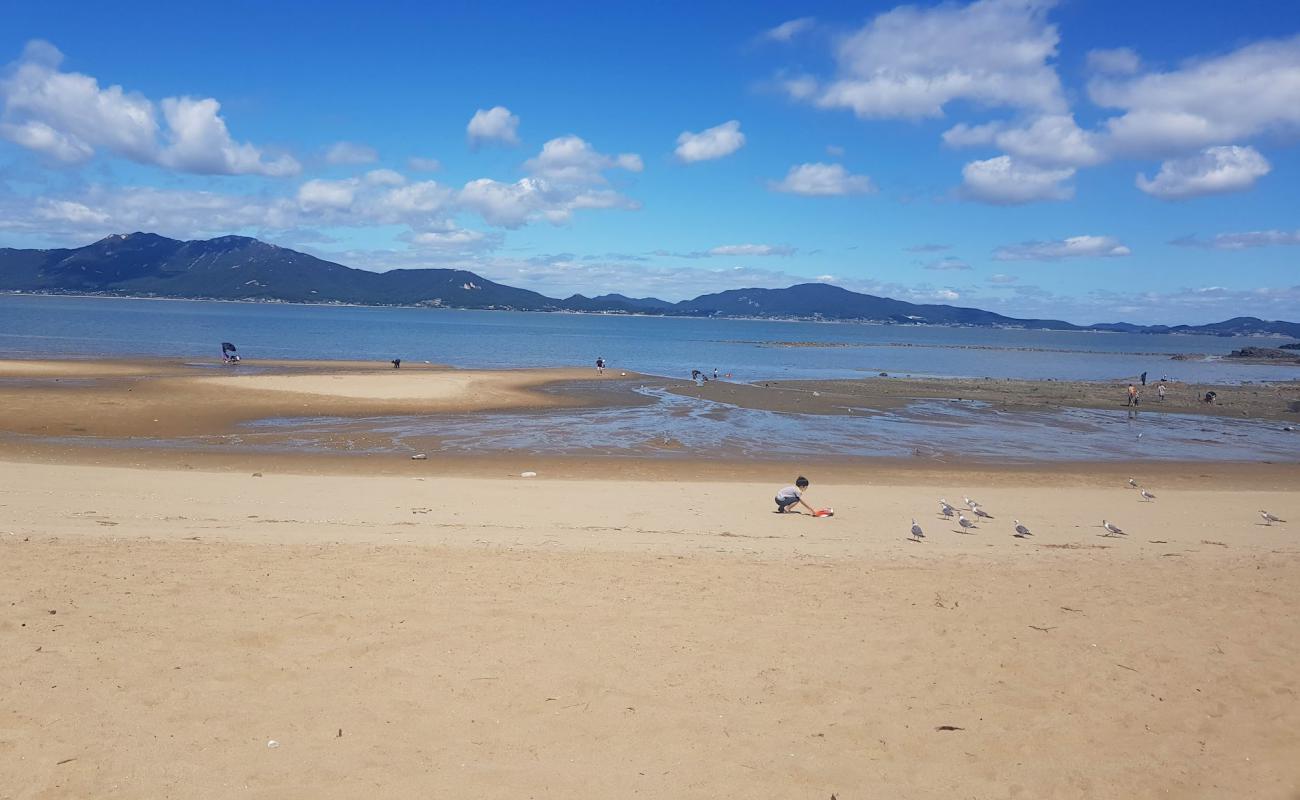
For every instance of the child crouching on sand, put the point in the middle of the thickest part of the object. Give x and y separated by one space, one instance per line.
787 497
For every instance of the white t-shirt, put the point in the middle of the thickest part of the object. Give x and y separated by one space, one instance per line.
789 492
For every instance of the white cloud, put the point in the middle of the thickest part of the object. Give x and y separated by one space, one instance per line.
416 204
822 180
36 135
199 142
964 135
73 105
947 264
1243 241
1002 279
1119 61
68 211
350 153
421 164
716 142
494 124
1250 91
323 194
511 205
911 62
1073 247
68 116
789 29
456 240
1053 140
1006 181
572 160
752 250
1215 170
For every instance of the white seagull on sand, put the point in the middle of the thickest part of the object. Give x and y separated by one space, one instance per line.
917 533
1269 519
1146 495
965 523
969 502
946 510
1021 531
1132 483
1112 529
979 512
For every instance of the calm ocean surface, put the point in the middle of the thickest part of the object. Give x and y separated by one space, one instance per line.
72 326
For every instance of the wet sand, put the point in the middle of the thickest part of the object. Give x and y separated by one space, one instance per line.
175 398
507 637
1275 401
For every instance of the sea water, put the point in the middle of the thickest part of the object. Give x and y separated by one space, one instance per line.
747 350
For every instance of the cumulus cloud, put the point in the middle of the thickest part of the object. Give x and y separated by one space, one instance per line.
350 153
822 180
1002 279
1242 241
911 62
494 124
752 250
1072 247
1053 140
318 194
1006 181
199 142
1252 90
68 116
1117 61
512 205
947 264
572 160
1215 170
716 142
788 30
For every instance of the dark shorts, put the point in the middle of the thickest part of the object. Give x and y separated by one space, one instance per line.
782 503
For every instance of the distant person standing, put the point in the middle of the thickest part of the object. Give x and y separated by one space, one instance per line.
1144 379
600 366
1160 392
1132 395
715 373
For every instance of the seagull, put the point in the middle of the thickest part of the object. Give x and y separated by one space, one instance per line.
979 512
969 502
1021 531
946 510
1132 483
1146 495
917 533
1112 529
965 523
1269 519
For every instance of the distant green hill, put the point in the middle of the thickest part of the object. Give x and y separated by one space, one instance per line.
240 268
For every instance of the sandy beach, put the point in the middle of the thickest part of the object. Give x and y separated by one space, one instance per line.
637 627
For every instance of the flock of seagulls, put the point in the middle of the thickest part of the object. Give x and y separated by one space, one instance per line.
948 511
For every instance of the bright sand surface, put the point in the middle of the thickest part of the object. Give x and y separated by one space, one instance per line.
434 636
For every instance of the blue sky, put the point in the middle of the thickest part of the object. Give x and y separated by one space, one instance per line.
1091 161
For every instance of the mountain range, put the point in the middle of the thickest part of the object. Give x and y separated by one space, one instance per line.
242 268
